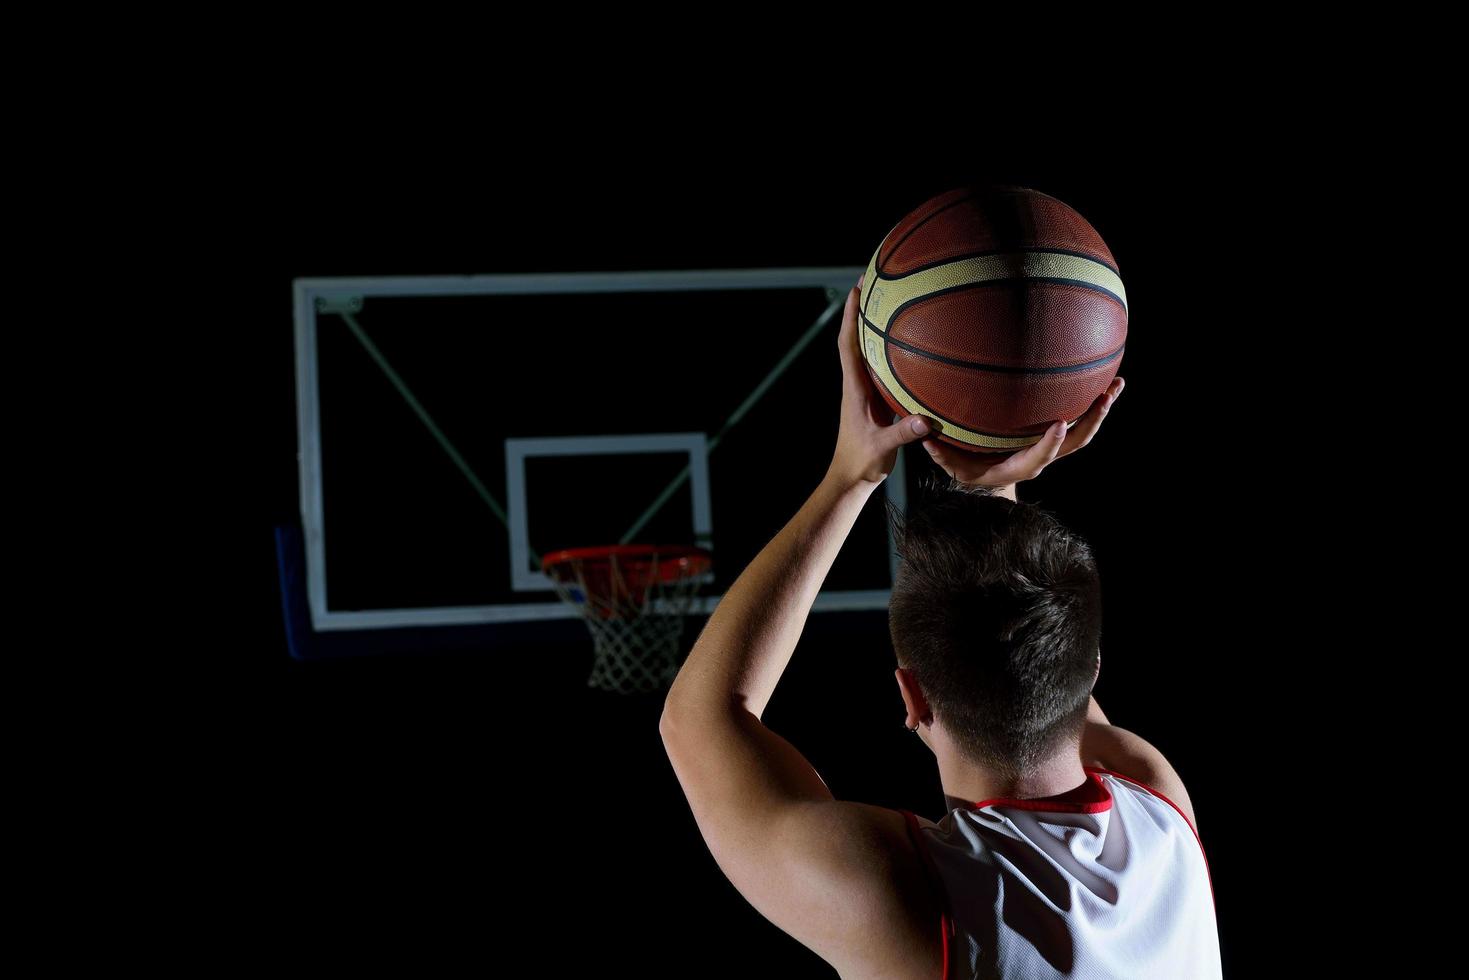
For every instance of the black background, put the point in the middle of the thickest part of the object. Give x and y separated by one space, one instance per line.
445 809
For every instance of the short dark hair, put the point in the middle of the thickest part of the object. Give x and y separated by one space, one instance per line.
996 611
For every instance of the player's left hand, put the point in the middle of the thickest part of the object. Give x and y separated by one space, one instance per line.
868 440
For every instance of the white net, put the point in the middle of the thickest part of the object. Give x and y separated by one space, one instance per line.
634 608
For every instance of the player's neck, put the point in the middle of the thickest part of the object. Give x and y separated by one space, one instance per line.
966 784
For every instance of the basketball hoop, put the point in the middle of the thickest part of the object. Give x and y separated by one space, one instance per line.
633 598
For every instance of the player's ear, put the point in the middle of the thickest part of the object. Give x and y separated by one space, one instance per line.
913 698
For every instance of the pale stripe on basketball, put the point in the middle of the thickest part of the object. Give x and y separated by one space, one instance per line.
882 296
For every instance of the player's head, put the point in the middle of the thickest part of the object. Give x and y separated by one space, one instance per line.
996 615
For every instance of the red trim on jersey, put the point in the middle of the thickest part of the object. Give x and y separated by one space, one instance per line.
946 918
1091 796
1180 813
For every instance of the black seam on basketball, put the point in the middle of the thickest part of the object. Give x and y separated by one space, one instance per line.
1011 282
887 356
926 219
988 190
975 365
931 413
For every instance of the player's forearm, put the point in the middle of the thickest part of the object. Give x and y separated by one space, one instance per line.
747 643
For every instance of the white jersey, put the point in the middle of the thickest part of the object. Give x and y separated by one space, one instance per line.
1106 880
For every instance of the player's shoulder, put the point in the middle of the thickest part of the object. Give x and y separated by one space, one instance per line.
900 830
1159 780
912 929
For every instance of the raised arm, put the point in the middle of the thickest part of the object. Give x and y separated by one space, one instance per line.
1106 746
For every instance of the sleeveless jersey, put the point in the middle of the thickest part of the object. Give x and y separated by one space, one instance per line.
1106 880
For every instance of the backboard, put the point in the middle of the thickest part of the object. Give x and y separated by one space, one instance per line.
453 429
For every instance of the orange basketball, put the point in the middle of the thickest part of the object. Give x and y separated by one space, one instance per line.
995 310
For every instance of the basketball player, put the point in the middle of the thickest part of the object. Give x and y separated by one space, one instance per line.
1069 848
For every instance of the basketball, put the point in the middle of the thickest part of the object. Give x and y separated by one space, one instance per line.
995 310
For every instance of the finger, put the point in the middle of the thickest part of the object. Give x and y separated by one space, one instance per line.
963 460
971 467
1025 464
948 458
1087 426
904 431
849 342
939 451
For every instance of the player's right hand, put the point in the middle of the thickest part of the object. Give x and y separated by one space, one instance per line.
999 470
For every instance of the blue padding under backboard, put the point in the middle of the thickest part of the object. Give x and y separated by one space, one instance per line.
306 643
